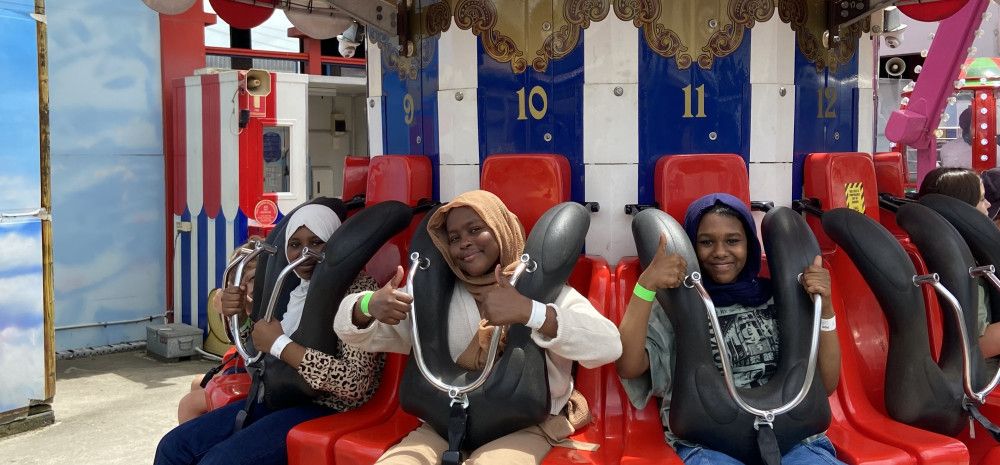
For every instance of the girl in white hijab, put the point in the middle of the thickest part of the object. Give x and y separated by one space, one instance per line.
346 381
310 226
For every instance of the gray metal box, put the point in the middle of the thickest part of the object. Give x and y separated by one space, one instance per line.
173 340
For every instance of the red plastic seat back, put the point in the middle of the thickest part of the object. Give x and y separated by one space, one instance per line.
836 180
890 174
405 178
355 176
529 184
839 180
681 179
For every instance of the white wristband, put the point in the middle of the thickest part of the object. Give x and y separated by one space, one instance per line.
537 318
279 345
828 324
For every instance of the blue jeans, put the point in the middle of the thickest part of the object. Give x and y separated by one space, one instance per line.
211 440
819 451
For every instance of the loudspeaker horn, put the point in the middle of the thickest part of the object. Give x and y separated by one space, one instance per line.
895 67
256 82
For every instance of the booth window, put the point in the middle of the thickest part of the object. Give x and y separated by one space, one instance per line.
275 153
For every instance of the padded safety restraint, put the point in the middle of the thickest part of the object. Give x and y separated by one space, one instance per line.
947 254
917 391
346 253
701 409
980 234
517 393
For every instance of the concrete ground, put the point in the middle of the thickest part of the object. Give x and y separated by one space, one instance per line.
110 410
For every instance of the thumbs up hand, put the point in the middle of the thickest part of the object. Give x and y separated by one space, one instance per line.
503 305
389 304
664 271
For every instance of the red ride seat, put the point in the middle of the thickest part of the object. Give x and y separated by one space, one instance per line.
405 178
832 178
681 179
392 177
355 179
529 185
355 176
701 175
890 175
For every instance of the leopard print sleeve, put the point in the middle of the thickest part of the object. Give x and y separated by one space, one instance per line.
350 376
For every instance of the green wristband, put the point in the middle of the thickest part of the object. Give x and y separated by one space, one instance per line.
364 303
643 293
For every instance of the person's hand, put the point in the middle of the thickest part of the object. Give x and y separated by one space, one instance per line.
816 279
503 305
664 271
265 333
389 304
233 299
485 334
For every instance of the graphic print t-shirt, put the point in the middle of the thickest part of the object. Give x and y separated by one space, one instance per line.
751 336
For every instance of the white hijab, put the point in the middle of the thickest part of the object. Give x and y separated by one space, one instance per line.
322 221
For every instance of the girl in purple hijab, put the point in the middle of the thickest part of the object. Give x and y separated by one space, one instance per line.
724 237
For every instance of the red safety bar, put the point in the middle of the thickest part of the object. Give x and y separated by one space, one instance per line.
836 180
391 177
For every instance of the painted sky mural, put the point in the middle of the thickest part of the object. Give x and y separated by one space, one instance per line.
107 169
21 342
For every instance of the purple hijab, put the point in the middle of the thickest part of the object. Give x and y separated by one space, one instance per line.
748 289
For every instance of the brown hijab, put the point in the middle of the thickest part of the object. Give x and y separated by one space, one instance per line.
507 230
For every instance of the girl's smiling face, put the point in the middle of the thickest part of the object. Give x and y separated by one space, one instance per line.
302 238
471 242
721 247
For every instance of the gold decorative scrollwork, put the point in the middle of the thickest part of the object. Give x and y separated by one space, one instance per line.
711 29
808 19
532 33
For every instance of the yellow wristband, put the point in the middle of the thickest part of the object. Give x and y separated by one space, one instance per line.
364 303
643 293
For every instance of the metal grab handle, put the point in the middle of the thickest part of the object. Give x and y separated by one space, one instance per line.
241 253
258 247
767 415
988 272
307 255
457 393
956 310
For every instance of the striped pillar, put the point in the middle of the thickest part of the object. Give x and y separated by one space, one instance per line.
611 133
458 110
772 111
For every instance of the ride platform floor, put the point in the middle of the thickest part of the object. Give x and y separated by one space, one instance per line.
110 409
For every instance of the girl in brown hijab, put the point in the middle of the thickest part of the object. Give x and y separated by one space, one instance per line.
481 240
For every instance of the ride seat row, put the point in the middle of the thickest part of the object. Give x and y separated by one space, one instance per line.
861 430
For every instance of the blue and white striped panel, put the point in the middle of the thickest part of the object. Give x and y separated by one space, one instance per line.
611 133
772 110
458 109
